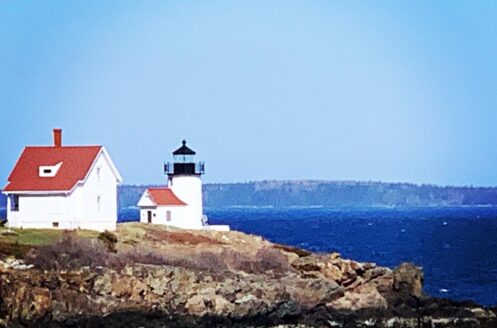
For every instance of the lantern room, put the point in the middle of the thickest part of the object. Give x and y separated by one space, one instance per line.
184 163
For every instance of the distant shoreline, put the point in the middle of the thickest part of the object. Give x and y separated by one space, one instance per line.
313 193
322 193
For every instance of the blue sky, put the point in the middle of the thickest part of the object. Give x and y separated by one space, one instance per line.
337 90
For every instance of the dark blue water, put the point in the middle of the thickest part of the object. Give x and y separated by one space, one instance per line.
457 247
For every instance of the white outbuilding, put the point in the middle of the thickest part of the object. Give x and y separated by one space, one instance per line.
63 187
180 203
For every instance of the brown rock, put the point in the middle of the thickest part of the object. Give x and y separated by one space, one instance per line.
383 283
310 292
66 303
158 285
248 305
480 313
18 299
41 301
196 306
122 287
332 272
181 279
346 268
222 306
291 257
155 301
369 266
364 297
408 278
294 250
138 290
357 267
375 273
30 303
103 284
356 283
349 275
308 263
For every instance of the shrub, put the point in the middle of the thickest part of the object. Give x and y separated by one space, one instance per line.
271 259
204 261
238 261
70 253
120 260
266 259
13 249
211 262
109 239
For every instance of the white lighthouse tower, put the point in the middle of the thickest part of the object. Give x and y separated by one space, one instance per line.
180 203
184 180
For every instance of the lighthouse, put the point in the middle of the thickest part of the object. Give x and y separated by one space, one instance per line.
179 204
184 179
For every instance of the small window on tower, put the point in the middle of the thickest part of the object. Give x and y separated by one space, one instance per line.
99 202
99 169
168 216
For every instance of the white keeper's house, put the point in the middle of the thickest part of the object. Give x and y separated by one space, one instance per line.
179 204
63 187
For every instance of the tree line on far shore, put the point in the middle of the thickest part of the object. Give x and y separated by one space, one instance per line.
329 193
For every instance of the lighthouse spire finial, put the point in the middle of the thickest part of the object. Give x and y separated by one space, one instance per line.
183 150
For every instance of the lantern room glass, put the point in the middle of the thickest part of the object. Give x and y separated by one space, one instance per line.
183 158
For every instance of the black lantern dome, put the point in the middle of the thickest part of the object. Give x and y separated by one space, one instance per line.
184 163
183 150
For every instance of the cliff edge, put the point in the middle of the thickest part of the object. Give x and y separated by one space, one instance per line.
151 276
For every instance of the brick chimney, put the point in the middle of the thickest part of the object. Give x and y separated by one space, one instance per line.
57 137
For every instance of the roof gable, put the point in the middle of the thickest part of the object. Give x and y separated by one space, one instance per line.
146 200
76 163
164 196
103 152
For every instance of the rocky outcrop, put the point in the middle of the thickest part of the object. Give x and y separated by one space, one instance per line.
408 279
302 290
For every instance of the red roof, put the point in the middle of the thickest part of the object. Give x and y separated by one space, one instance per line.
164 196
76 162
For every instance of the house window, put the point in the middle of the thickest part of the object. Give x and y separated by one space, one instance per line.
168 216
49 171
99 202
14 203
99 169
55 224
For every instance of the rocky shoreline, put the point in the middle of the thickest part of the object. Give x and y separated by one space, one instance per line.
154 277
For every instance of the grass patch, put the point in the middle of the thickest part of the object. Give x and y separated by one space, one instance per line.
133 230
31 237
36 237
